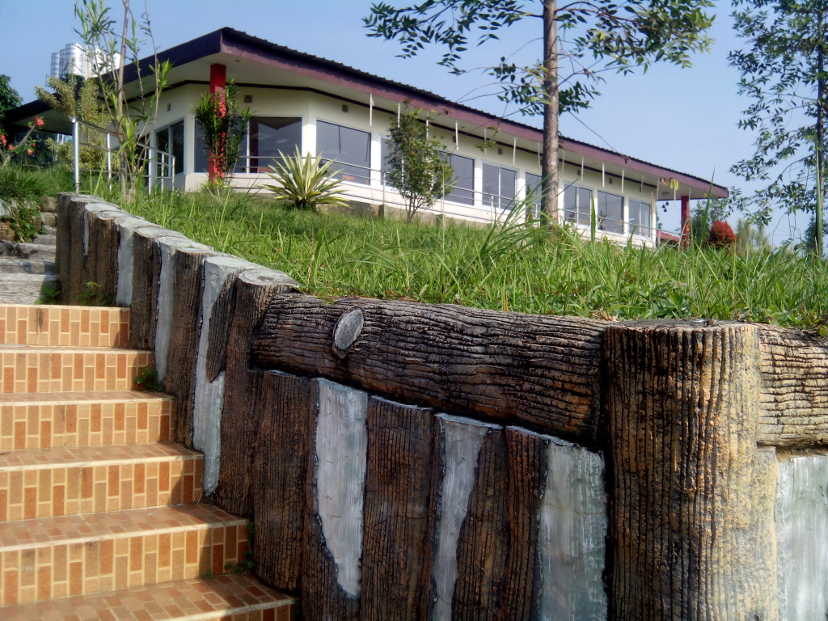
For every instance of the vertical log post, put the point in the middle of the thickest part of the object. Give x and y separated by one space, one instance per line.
691 519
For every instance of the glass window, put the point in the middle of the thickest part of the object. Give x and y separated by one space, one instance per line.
577 205
201 155
610 212
387 145
463 185
270 137
640 218
349 149
498 186
169 140
533 191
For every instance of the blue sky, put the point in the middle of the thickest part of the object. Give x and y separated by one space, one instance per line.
680 118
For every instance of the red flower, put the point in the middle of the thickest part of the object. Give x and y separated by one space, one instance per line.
721 235
39 122
2 139
11 147
29 151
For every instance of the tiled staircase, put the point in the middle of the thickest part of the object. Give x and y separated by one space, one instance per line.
99 513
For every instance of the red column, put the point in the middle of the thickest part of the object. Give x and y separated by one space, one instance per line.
218 81
685 221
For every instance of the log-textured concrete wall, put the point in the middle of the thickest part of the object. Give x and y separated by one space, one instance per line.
415 461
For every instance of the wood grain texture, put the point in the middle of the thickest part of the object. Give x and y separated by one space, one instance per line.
145 278
279 477
396 547
69 241
535 370
690 521
795 388
240 416
183 338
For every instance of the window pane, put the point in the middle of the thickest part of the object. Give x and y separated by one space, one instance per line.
162 144
463 186
640 218
584 206
533 191
387 145
571 203
349 148
177 136
327 140
508 179
201 155
491 185
271 136
610 212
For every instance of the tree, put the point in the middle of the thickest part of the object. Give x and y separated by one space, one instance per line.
783 72
751 237
9 98
132 119
416 165
606 36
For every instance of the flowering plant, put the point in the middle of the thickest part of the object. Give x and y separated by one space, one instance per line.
24 145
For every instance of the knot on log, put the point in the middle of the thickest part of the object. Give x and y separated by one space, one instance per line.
346 331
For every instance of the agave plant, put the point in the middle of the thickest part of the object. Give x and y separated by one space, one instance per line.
304 182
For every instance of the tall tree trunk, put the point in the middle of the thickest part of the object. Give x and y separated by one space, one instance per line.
819 232
549 166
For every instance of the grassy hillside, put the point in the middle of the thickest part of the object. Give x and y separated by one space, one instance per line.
506 269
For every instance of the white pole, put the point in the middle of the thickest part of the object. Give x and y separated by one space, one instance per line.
109 159
371 110
76 152
622 180
172 172
514 150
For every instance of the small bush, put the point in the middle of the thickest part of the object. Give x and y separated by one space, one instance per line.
721 235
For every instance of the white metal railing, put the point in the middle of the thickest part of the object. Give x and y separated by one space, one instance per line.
166 163
484 206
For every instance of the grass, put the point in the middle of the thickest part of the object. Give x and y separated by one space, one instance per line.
33 184
508 268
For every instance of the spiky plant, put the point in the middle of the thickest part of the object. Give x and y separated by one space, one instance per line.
304 182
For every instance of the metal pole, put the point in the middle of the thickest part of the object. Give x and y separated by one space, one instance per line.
76 152
172 172
109 159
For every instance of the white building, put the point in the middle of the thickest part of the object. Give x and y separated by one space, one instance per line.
76 60
344 114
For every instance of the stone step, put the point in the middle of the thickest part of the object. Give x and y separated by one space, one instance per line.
51 558
26 266
229 597
44 483
68 419
48 218
49 228
45 239
28 250
71 369
26 288
81 326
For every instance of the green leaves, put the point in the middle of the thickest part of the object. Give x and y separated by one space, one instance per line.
303 182
416 165
609 36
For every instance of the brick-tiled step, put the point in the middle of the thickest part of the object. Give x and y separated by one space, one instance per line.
46 420
72 369
230 598
63 326
70 481
51 558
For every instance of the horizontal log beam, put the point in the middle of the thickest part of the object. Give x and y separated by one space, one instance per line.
541 371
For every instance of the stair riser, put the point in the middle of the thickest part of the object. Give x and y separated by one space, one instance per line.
113 563
45 371
49 425
28 493
60 326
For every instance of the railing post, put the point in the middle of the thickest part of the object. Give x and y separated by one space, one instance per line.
76 152
109 159
172 172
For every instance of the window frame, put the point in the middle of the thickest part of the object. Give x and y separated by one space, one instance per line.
363 178
500 196
635 202
602 219
179 160
587 215
453 196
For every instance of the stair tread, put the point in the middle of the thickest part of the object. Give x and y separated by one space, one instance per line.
58 398
198 598
66 349
26 534
94 455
